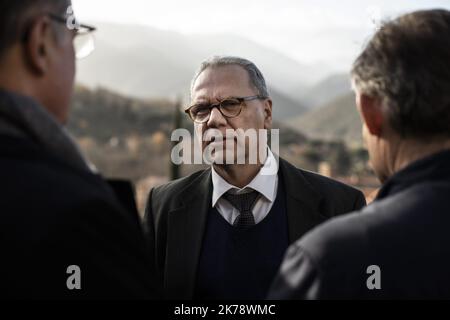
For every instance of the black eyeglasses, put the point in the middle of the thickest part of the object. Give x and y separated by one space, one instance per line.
83 41
229 108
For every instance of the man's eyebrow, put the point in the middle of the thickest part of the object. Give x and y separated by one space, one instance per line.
205 99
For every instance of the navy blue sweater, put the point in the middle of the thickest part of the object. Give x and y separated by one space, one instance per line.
241 263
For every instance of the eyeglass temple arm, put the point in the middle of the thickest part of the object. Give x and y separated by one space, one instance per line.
62 20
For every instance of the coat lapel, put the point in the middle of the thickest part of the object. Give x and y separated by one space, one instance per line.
186 225
302 202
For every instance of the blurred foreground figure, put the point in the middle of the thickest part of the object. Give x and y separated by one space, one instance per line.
399 246
64 233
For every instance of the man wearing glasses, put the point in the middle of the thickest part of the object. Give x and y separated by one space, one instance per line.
64 233
221 233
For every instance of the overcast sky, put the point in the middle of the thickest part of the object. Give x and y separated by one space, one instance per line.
319 31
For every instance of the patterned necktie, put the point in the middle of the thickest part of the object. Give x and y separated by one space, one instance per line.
243 203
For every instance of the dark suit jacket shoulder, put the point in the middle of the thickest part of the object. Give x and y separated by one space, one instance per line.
403 233
54 216
165 196
337 197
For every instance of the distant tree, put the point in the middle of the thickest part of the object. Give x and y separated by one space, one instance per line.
311 157
177 123
340 158
360 160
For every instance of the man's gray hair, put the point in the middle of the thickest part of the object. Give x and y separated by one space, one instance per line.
407 66
255 75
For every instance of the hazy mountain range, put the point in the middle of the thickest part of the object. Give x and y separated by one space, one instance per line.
145 62
326 90
336 120
148 63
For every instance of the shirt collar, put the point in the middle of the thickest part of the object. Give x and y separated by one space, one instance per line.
263 183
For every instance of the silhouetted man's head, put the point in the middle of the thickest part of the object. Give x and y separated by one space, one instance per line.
36 52
402 84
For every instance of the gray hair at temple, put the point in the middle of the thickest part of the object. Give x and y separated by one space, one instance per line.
255 75
407 66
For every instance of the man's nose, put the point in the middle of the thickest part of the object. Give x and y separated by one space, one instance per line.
216 119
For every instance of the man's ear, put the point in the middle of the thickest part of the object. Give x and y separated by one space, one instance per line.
38 44
371 113
268 113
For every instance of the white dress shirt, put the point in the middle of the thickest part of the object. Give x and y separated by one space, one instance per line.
265 184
